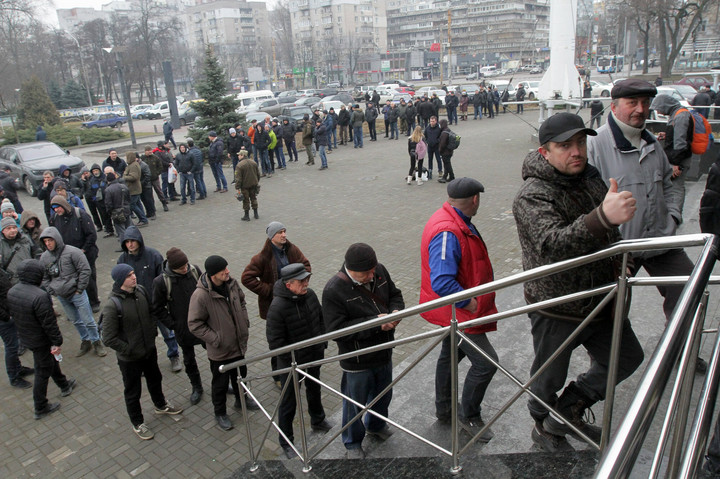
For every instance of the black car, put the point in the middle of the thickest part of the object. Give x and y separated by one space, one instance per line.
327 92
28 162
343 96
295 115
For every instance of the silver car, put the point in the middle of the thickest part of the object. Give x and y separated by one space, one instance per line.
28 162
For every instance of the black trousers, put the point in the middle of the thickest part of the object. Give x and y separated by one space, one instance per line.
448 173
46 367
148 201
132 373
288 405
371 130
92 289
220 383
191 367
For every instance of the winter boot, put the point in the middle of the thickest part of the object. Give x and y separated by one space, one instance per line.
572 405
197 389
247 216
255 213
409 180
418 178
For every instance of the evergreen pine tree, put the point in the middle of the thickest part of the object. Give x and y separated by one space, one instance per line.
55 93
73 95
217 112
36 108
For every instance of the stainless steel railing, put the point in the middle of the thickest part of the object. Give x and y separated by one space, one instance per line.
619 454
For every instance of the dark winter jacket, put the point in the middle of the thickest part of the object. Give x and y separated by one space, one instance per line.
443 149
34 233
375 98
425 109
215 151
261 273
451 101
410 113
308 131
560 217
344 117
95 191
247 174
9 187
145 176
132 336
596 108
371 114
197 159
184 161
167 128
173 313
432 135
147 263
679 130
321 135
5 286
222 323
293 318
133 177
74 183
357 118
32 309
393 114
347 304
288 132
166 158
262 139
520 94
234 144
76 228
117 196
13 252
118 165
67 271
155 164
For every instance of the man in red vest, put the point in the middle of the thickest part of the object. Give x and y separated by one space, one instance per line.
454 258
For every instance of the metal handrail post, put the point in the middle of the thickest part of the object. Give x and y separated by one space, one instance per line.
619 319
702 422
455 446
246 420
298 407
688 379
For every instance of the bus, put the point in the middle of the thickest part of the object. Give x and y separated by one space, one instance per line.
610 63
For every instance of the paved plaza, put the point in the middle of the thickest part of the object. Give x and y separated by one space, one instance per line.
361 197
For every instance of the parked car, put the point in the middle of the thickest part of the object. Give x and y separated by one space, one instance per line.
307 101
137 111
406 89
687 91
600 89
535 70
111 120
395 82
187 116
334 84
531 88
271 106
287 93
694 81
669 90
256 115
308 92
343 96
159 110
471 76
295 114
324 105
326 92
28 162
287 99
400 96
358 93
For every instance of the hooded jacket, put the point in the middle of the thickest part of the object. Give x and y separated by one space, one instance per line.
118 165
13 252
96 185
117 196
184 160
133 177
76 228
174 313
261 273
132 336
74 183
345 304
222 323
148 263
34 234
293 318
67 271
679 131
197 158
560 217
32 309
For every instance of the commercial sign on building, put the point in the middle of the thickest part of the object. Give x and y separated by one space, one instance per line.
385 65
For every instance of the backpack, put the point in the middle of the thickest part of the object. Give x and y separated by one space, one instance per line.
168 284
702 136
118 305
453 141
420 150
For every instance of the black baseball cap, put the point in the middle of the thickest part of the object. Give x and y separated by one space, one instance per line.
562 127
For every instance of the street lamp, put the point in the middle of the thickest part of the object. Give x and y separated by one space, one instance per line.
82 67
125 96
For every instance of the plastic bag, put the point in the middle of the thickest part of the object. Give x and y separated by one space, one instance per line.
172 174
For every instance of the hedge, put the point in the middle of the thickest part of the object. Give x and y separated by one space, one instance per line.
66 136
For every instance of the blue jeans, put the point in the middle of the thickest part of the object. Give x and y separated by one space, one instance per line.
137 207
170 341
265 165
411 127
394 130
357 136
478 112
200 184
8 332
168 189
323 156
280 155
220 182
477 379
187 179
363 387
291 148
78 310
433 152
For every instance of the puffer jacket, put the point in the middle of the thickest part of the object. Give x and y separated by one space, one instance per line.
96 185
357 118
133 175
293 318
288 131
560 217
197 158
13 252
393 114
76 228
262 139
32 309
74 183
307 133
221 323
344 304
261 273
117 196
67 271
132 336
174 313
215 151
184 161
147 263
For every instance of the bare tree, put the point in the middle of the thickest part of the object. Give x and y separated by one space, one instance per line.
677 21
353 50
281 21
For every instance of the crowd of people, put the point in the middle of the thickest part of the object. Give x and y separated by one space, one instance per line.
570 204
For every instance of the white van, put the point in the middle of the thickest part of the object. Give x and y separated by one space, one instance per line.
250 97
160 110
488 71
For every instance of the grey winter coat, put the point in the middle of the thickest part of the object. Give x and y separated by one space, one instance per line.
67 271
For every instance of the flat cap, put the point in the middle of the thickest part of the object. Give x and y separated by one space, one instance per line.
464 188
633 87
293 271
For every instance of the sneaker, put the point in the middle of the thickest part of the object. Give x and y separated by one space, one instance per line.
223 422
48 409
95 308
168 409
548 442
289 451
473 426
25 371
355 453
142 224
383 434
108 235
67 390
250 404
165 207
324 426
85 347
175 365
555 426
20 383
99 349
143 432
